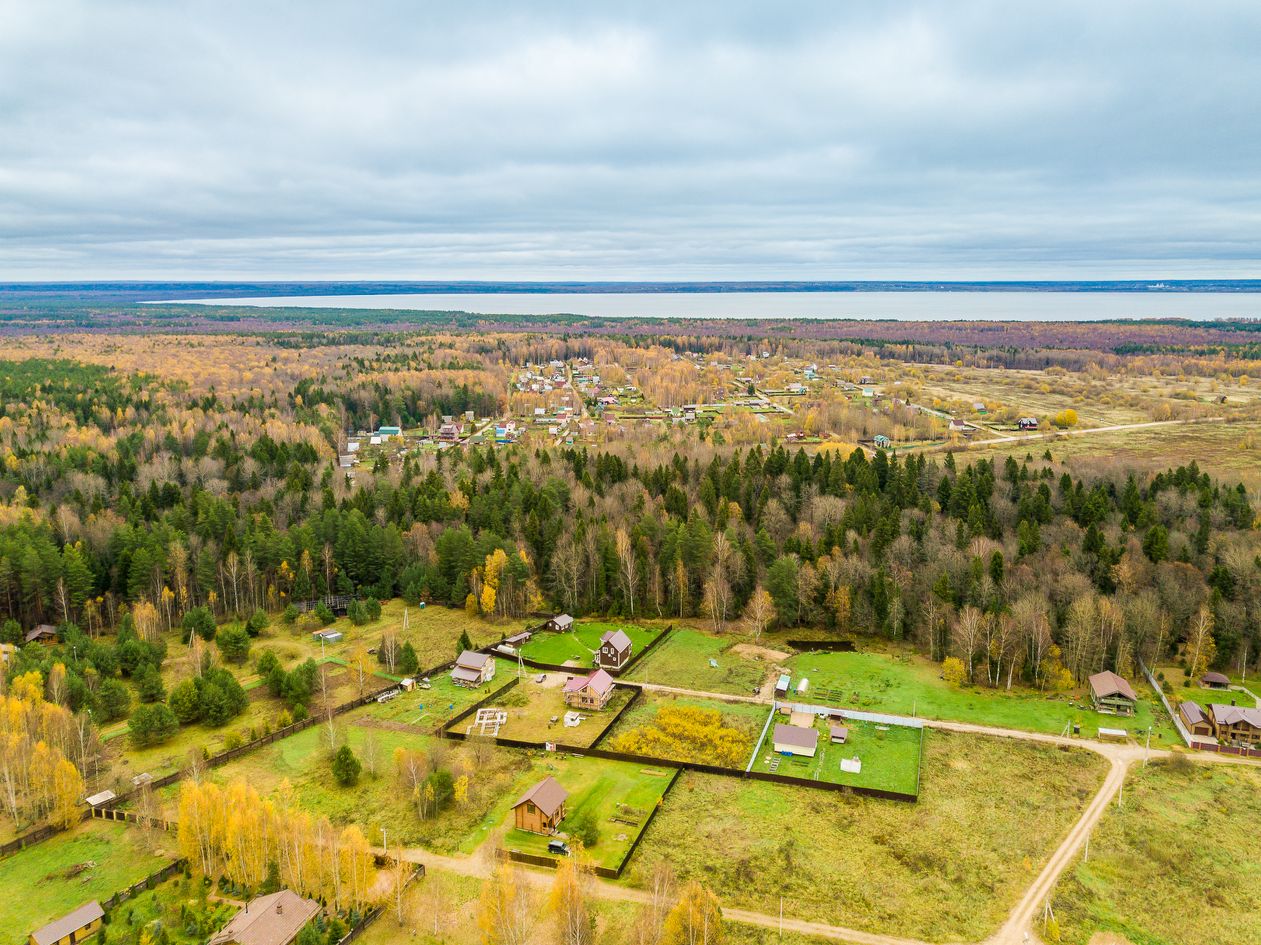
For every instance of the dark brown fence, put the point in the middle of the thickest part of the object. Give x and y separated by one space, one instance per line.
147 883
637 693
562 668
36 835
822 646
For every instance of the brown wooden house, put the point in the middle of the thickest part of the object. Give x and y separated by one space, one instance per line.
615 649
70 928
542 808
1236 725
589 692
1197 723
1111 693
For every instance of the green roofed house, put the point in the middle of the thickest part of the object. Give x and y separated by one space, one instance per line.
1111 694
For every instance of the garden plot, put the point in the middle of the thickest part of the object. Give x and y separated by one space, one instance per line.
578 646
536 712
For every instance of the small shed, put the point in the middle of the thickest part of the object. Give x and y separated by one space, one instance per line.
104 797
561 623
326 636
781 686
838 733
70 928
44 633
1215 681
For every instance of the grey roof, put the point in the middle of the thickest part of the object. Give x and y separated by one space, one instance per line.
268 920
1234 714
463 674
562 620
1108 683
43 630
472 660
796 736
58 929
547 796
1192 712
1215 679
618 638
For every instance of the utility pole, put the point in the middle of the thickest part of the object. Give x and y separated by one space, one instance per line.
1147 752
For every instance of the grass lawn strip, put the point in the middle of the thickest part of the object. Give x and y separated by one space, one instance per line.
44 881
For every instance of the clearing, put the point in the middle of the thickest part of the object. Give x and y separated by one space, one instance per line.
690 659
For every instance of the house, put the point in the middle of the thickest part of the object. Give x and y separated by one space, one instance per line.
958 426
275 919
838 734
542 808
1195 720
346 460
592 691
450 432
472 669
1236 725
1027 423
1215 681
979 407
615 649
1112 694
561 623
794 740
70 928
44 633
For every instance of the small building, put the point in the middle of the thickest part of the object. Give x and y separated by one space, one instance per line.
794 740
389 431
1111 694
542 808
782 684
979 407
1215 681
44 633
1195 720
8 651
958 426
561 623
407 684
101 799
882 442
275 919
326 636
450 432
70 928
592 691
346 460
1236 725
472 669
1027 423
615 649
838 734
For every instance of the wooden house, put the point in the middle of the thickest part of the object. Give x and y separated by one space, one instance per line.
1236 725
1027 423
472 669
615 649
275 919
1215 681
70 928
589 692
1111 694
795 740
44 633
542 808
561 623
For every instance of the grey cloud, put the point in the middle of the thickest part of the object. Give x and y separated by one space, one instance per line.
734 140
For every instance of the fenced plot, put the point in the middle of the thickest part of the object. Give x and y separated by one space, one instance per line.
578 646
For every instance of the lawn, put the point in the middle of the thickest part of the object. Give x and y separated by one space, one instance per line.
889 755
180 907
948 868
620 795
683 660
40 884
579 645
536 712
1180 688
907 684
429 708
376 801
1175 865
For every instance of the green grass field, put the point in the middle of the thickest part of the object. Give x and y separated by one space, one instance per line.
1175 865
683 661
38 886
889 754
619 794
578 646
429 708
948 868
907 684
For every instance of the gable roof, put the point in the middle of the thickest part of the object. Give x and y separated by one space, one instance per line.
40 632
598 682
1192 712
618 638
796 736
547 796
1216 679
470 659
268 920
1235 714
59 928
562 620
1109 683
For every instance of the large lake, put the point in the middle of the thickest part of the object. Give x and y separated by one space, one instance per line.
910 306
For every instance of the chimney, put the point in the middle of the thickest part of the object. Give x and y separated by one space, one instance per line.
280 907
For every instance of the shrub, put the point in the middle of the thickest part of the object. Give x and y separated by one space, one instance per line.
152 725
257 623
586 829
953 671
234 644
200 621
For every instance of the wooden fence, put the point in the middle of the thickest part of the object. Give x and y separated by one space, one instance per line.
822 646
562 668
147 883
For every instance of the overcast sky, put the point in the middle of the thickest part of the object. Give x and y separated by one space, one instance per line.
684 140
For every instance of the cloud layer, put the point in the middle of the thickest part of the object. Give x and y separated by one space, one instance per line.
534 141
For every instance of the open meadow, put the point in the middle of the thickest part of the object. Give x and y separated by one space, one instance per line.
690 659
92 861
1168 866
904 683
947 868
